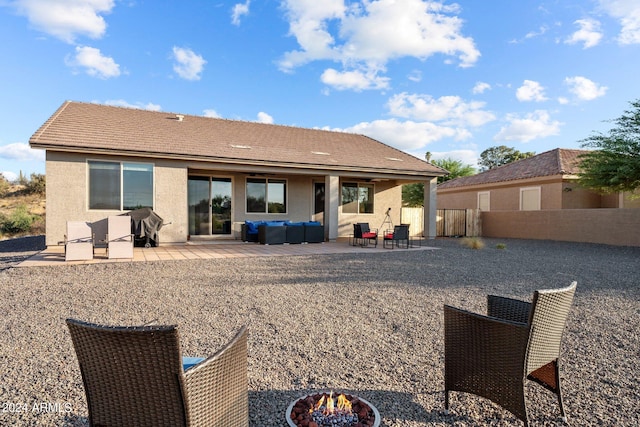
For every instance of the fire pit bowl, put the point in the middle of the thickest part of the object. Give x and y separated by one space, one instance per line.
333 409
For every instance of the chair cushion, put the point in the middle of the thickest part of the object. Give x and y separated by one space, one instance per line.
388 236
188 362
369 235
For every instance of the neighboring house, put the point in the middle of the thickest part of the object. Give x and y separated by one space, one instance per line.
206 176
543 182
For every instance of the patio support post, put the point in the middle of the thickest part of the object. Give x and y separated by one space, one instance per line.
331 204
430 208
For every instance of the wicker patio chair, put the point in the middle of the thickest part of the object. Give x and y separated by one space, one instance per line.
134 376
491 356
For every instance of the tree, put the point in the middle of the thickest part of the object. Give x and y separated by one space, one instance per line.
497 156
615 164
413 194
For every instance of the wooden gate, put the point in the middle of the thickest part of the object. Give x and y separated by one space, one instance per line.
457 222
449 222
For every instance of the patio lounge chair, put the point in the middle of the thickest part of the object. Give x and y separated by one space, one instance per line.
491 356
135 376
119 237
78 242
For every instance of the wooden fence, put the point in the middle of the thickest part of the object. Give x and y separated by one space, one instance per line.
449 222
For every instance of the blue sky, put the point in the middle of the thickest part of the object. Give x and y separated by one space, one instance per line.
451 78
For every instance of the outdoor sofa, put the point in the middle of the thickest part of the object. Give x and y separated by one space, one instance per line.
279 232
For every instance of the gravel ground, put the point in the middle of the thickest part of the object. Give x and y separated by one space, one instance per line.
369 324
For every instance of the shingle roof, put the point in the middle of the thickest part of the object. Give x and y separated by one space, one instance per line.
86 127
554 162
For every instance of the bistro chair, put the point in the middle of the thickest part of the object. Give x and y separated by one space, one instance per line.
136 376
363 235
492 356
395 237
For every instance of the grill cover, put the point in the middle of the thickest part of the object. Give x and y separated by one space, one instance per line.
145 225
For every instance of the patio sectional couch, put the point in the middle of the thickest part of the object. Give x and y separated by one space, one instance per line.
279 232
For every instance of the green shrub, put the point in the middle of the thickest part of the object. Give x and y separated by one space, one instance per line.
4 185
36 185
501 246
18 221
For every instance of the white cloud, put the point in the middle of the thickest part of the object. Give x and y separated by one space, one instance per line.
188 65
21 152
265 118
367 34
138 105
533 126
354 80
481 87
530 91
450 110
94 63
239 10
67 19
467 157
589 33
415 76
585 89
628 12
408 135
211 114
10 176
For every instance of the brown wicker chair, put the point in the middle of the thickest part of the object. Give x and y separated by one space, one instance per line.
134 376
491 356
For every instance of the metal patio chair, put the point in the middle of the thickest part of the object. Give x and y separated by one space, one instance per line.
397 236
491 356
136 376
363 235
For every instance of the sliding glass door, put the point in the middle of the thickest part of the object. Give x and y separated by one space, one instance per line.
209 205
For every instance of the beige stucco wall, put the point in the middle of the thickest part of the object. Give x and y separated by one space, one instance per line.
388 194
608 226
67 197
554 194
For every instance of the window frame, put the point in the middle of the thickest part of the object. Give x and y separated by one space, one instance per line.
267 203
121 176
538 191
358 187
488 196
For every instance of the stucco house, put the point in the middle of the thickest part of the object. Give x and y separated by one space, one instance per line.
206 176
546 181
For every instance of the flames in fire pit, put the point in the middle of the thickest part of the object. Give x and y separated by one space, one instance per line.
322 410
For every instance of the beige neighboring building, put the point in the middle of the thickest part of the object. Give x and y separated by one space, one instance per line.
206 176
546 181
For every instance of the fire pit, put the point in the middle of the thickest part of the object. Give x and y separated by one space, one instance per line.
329 409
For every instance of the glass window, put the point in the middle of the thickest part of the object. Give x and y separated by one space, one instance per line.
137 185
266 195
357 198
276 196
104 185
120 186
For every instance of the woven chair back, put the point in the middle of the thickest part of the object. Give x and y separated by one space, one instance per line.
547 319
132 375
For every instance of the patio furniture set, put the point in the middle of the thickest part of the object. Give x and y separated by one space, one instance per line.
136 375
397 237
123 232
